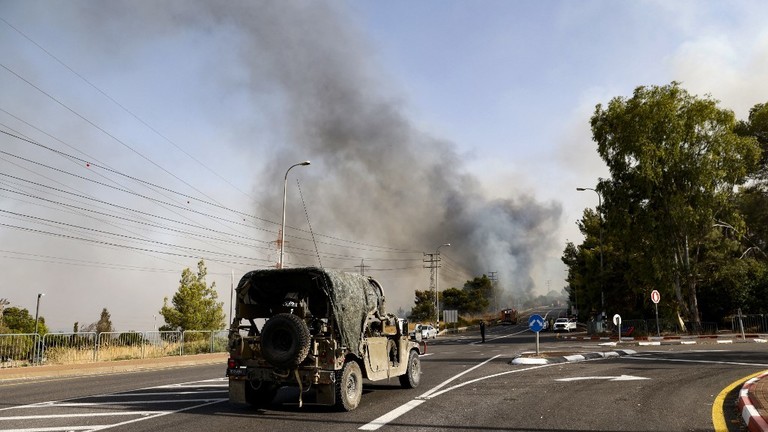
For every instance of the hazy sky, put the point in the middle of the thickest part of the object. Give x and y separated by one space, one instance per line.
139 137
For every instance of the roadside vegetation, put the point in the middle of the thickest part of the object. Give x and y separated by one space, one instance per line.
684 211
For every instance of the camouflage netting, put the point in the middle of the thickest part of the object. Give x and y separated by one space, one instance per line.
354 298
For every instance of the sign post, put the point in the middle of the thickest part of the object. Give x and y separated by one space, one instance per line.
617 323
451 316
536 323
655 297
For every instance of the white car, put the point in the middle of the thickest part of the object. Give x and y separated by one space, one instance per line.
427 331
564 324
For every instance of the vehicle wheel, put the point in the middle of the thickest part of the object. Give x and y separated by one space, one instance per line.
285 340
259 395
412 375
349 386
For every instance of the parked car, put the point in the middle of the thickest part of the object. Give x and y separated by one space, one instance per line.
426 330
564 324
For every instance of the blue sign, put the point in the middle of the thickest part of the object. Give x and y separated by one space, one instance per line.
536 323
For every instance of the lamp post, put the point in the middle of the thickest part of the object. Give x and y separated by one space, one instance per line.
37 310
282 227
600 205
437 284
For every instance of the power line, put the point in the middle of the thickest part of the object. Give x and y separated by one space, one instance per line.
384 248
205 166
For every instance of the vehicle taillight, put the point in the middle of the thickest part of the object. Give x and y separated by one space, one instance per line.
231 363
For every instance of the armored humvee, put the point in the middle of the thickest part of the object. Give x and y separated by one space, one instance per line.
317 330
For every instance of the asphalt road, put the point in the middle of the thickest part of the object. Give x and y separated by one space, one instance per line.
466 385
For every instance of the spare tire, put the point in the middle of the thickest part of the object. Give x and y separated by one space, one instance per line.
285 341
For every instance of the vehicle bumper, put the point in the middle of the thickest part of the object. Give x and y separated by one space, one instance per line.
307 376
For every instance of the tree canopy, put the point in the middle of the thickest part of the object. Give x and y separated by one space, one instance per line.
18 320
672 216
194 306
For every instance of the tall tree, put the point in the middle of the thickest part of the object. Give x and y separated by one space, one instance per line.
104 324
479 292
757 126
674 161
424 307
18 320
194 306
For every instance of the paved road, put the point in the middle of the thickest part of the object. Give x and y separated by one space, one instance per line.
466 386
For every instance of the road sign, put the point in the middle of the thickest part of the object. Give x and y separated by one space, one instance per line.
655 297
451 316
536 323
617 320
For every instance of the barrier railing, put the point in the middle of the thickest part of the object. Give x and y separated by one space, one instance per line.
757 323
17 350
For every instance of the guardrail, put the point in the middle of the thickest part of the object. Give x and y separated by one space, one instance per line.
755 323
641 327
19 350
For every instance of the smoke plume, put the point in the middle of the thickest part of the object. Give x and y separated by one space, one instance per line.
314 84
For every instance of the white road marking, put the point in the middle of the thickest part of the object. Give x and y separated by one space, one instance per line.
148 402
402 409
159 393
607 378
206 387
52 429
164 413
53 416
395 413
444 383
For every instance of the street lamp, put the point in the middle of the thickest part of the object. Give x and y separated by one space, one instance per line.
37 310
600 205
437 283
282 227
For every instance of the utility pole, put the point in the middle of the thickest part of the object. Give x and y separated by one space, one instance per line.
431 262
492 277
362 266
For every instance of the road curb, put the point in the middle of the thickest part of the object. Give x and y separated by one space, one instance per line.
670 340
571 358
750 403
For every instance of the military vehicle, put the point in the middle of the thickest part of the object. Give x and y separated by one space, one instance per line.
321 331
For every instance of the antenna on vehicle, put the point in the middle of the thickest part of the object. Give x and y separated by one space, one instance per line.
311 232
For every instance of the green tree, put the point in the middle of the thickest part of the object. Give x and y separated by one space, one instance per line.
104 324
424 307
756 126
454 299
674 161
18 320
194 306
479 291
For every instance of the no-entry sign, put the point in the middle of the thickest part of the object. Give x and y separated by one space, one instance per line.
655 296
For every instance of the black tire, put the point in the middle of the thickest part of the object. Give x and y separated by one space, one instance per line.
412 375
285 341
349 386
259 394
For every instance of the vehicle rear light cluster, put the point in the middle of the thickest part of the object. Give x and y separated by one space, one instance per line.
231 363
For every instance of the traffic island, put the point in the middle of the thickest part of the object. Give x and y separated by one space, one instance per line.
531 358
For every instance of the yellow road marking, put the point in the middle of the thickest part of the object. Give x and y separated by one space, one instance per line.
718 417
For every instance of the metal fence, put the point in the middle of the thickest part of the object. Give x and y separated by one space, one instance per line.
17 350
750 323
642 328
